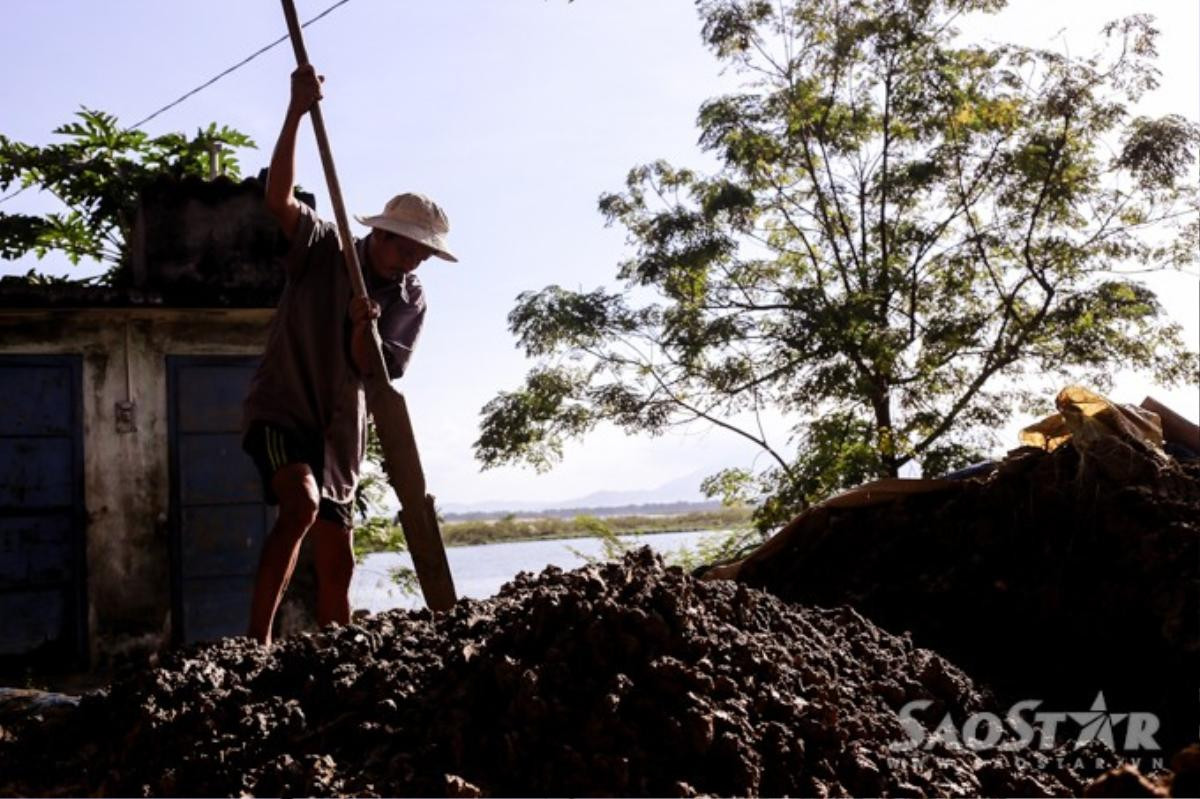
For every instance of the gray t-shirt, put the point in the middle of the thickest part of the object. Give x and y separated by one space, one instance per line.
306 380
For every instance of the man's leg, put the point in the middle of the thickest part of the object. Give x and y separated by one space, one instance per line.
296 488
333 551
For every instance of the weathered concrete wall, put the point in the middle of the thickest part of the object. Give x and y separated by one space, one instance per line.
197 234
126 474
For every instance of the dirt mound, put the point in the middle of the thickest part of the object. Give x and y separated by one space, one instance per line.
1054 578
621 679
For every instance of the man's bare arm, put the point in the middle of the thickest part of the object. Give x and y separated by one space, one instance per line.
281 203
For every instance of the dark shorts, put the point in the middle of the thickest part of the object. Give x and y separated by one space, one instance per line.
272 447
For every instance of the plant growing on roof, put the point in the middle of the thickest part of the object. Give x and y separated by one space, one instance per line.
907 237
97 173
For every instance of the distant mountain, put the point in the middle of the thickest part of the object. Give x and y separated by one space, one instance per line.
684 489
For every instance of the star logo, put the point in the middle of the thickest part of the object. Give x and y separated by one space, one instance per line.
1097 724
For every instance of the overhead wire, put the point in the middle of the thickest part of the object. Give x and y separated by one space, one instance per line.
208 82
235 67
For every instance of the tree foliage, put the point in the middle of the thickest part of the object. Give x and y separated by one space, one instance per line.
907 238
97 174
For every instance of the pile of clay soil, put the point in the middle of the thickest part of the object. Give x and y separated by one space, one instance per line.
622 679
1056 577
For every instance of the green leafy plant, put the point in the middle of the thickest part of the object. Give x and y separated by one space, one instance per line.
97 174
733 544
611 544
909 239
375 530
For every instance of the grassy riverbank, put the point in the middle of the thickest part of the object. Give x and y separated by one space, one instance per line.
382 537
513 528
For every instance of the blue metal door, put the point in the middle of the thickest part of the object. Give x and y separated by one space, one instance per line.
219 519
42 599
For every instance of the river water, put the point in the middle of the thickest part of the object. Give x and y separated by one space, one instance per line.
479 571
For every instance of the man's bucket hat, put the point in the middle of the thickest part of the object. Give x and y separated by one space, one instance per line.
415 217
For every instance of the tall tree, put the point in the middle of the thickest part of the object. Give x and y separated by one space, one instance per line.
907 239
97 173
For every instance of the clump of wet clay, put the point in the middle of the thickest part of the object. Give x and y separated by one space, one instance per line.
626 678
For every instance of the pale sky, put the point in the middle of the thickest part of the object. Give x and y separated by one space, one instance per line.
515 115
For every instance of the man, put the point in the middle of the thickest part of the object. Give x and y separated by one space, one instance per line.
305 417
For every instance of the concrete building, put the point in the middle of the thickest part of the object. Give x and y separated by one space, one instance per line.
130 519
